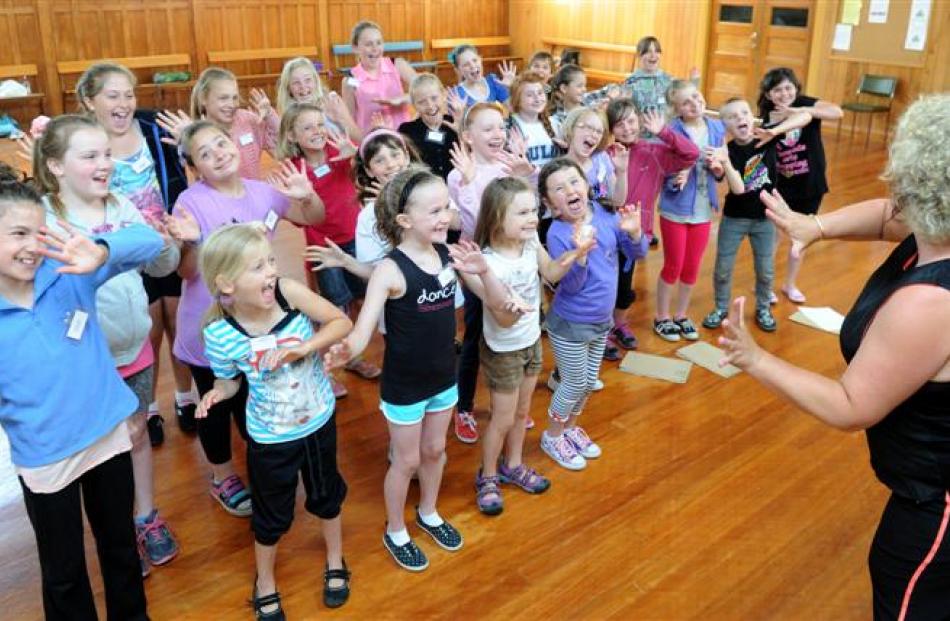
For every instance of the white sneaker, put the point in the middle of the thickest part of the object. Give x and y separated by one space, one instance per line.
586 447
598 385
562 450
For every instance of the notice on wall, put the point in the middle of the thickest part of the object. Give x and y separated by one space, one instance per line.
917 25
842 40
877 11
851 12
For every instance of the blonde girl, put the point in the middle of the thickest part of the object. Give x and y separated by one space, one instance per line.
72 167
478 159
261 327
433 132
149 174
219 197
415 284
327 156
299 82
216 98
511 351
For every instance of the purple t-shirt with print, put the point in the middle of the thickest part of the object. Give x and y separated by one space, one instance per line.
212 210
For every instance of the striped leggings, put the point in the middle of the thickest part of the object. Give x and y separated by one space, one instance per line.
578 363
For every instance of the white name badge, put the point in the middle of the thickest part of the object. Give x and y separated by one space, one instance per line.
246 139
270 221
264 343
353 82
446 276
322 171
77 324
140 165
434 135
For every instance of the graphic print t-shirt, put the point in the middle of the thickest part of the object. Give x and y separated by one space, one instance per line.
756 166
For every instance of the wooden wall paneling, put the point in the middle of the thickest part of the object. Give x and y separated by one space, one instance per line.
489 18
19 25
680 25
836 80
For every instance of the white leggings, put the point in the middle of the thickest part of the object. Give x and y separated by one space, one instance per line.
578 363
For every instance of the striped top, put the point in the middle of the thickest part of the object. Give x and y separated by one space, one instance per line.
283 404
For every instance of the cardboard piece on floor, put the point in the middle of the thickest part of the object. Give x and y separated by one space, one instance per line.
656 367
822 318
708 356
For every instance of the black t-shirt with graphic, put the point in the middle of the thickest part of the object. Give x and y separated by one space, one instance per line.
756 166
800 169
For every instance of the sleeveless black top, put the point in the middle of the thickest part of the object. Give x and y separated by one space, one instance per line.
419 361
910 447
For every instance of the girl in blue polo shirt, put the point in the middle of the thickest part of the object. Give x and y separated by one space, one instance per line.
63 406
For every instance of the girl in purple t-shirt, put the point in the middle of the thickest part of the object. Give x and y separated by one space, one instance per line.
582 311
222 197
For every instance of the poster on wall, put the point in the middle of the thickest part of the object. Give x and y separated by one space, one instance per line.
842 41
877 11
917 25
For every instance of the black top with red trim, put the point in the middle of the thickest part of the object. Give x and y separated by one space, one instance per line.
910 447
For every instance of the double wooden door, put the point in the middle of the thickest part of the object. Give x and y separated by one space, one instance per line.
749 37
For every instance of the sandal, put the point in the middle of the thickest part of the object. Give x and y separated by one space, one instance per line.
366 370
488 495
524 477
794 294
261 602
334 597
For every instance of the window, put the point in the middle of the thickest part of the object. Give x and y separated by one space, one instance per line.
738 14
790 18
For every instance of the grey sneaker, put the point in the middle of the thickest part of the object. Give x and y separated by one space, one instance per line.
714 319
765 320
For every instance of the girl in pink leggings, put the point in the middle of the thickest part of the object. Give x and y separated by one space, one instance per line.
686 206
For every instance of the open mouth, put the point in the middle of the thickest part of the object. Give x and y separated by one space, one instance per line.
121 116
496 145
267 291
224 163
28 260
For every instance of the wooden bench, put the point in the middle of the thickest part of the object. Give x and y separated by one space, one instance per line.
267 79
598 76
20 108
389 47
74 68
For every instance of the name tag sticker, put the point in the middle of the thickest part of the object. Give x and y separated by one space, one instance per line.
353 82
434 135
446 276
246 139
322 171
264 343
77 324
140 165
270 221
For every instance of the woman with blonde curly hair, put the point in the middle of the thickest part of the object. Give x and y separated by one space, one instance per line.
900 316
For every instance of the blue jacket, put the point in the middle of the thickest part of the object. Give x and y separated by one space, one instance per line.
168 167
681 202
59 395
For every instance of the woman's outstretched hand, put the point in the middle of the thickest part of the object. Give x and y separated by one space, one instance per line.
741 349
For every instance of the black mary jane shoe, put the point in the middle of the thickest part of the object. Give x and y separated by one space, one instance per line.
261 602
336 597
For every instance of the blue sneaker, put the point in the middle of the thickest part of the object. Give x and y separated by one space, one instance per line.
156 539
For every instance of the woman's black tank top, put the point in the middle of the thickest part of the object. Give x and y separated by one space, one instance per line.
910 447
420 333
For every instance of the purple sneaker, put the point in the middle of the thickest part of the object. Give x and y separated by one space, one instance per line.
586 447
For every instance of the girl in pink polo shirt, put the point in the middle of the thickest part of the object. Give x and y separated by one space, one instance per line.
376 85
216 98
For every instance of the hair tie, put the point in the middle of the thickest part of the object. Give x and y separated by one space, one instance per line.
381 131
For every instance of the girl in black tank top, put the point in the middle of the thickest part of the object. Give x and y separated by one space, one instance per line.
416 286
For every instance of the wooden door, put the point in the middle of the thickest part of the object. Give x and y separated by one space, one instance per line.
749 37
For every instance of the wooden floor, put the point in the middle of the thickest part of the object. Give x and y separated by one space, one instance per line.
713 499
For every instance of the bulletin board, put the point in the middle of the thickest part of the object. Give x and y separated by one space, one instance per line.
883 43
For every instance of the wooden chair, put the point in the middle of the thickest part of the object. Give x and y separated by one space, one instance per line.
880 87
